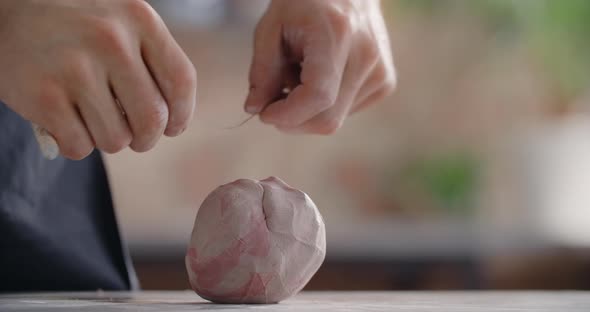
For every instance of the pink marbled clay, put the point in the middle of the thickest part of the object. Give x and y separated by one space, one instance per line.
255 242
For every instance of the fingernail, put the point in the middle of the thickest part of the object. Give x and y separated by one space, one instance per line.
252 109
175 132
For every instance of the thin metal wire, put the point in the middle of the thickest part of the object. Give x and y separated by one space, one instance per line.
285 91
242 123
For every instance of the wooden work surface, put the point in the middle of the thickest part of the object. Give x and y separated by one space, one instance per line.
306 301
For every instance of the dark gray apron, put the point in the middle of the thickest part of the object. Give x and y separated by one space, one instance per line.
57 225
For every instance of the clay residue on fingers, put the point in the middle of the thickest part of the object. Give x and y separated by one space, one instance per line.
47 143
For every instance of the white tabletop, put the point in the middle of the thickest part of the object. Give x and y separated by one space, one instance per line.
306 301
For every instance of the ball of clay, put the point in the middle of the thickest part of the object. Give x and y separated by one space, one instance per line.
255 242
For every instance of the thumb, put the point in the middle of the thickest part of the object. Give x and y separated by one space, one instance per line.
267 66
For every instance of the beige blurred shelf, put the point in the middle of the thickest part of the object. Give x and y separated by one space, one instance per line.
394 240
307 301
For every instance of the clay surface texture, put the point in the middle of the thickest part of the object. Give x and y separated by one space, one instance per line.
255 242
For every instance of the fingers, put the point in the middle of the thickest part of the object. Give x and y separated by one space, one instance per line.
153 81
331 119
173 72
152 78
87 86
73 140
64 123
267 66
365 81
144 106
61 120
381 83
103 117
371 99
345 64
357 91
322 68
113 56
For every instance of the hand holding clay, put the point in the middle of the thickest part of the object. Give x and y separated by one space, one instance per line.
255 242
94 74
334 56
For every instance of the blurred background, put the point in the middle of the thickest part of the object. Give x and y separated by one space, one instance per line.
475 174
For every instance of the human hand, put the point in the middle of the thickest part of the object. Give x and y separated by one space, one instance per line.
104 74
334 57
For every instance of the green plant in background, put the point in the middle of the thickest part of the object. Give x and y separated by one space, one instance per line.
557 31
446 183
449 179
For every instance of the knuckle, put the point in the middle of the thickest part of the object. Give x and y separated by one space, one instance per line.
116 142
340 21
380 74
108 36
143 13
76 150
385 77
150 127
78 67
50 96
327 126
184 83
381 93
155 118
53 101
389 86
182 99
388 83
136 147
141 146
177 123
370 51
324 99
